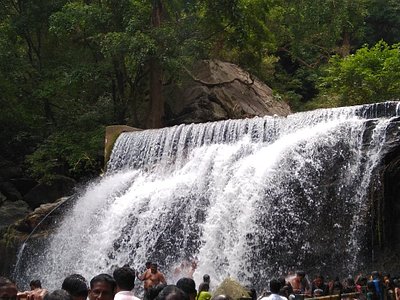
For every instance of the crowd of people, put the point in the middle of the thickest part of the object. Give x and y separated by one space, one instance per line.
120 286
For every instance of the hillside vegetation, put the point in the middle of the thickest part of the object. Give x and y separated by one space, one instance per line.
69 68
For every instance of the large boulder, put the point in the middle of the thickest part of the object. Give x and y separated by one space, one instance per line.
217 90
8 169
43 193
19 224
233 289
12 211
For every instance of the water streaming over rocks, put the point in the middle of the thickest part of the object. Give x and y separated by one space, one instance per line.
250 199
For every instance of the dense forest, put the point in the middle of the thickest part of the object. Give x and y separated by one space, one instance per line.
69 68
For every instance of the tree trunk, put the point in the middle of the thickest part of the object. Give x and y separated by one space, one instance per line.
156 113
345 48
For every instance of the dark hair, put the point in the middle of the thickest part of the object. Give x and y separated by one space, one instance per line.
172 292
375 274
125 278
36 283
103 278
301 273
274 286
75 285
154 291
206 278
58 295
187 285
319 276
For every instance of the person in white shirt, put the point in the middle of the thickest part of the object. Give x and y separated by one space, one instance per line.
125 280
274 286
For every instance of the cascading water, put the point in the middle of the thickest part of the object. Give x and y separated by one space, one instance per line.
250 199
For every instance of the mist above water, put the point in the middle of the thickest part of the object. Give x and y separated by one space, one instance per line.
250 199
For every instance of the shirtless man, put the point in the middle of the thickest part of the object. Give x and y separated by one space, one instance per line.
300 284
152 277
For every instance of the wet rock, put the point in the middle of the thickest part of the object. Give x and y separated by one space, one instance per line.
41 215
9 170
12 211
23 185
46 193
233 289
9 191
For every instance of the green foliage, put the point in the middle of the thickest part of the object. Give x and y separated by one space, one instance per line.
72 153
69 68
383 21
370 75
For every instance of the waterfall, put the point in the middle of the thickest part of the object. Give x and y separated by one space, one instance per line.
251 199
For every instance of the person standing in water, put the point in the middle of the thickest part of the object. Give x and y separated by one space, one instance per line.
152 277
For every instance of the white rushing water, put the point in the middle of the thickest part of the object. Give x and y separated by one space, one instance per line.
250 199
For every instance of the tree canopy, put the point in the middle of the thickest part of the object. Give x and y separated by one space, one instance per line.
69 68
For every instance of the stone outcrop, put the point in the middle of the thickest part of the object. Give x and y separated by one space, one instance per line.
25 224
47 193
217 90
23 206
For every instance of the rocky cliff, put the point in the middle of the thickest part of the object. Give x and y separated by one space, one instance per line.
216 90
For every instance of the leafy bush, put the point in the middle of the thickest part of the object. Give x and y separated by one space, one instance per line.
370 75
76 154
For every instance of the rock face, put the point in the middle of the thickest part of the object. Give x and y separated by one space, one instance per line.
24 224
47 193
219 90
19 196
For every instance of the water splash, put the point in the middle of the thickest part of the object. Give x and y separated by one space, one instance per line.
248 199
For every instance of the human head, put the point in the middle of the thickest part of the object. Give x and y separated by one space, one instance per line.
8 289
124 278
154 268
188 286
102 287
76 286
301 274
148 264
58 295
337 287
319 280
35 284
375 275
206 278
274 286
172 292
